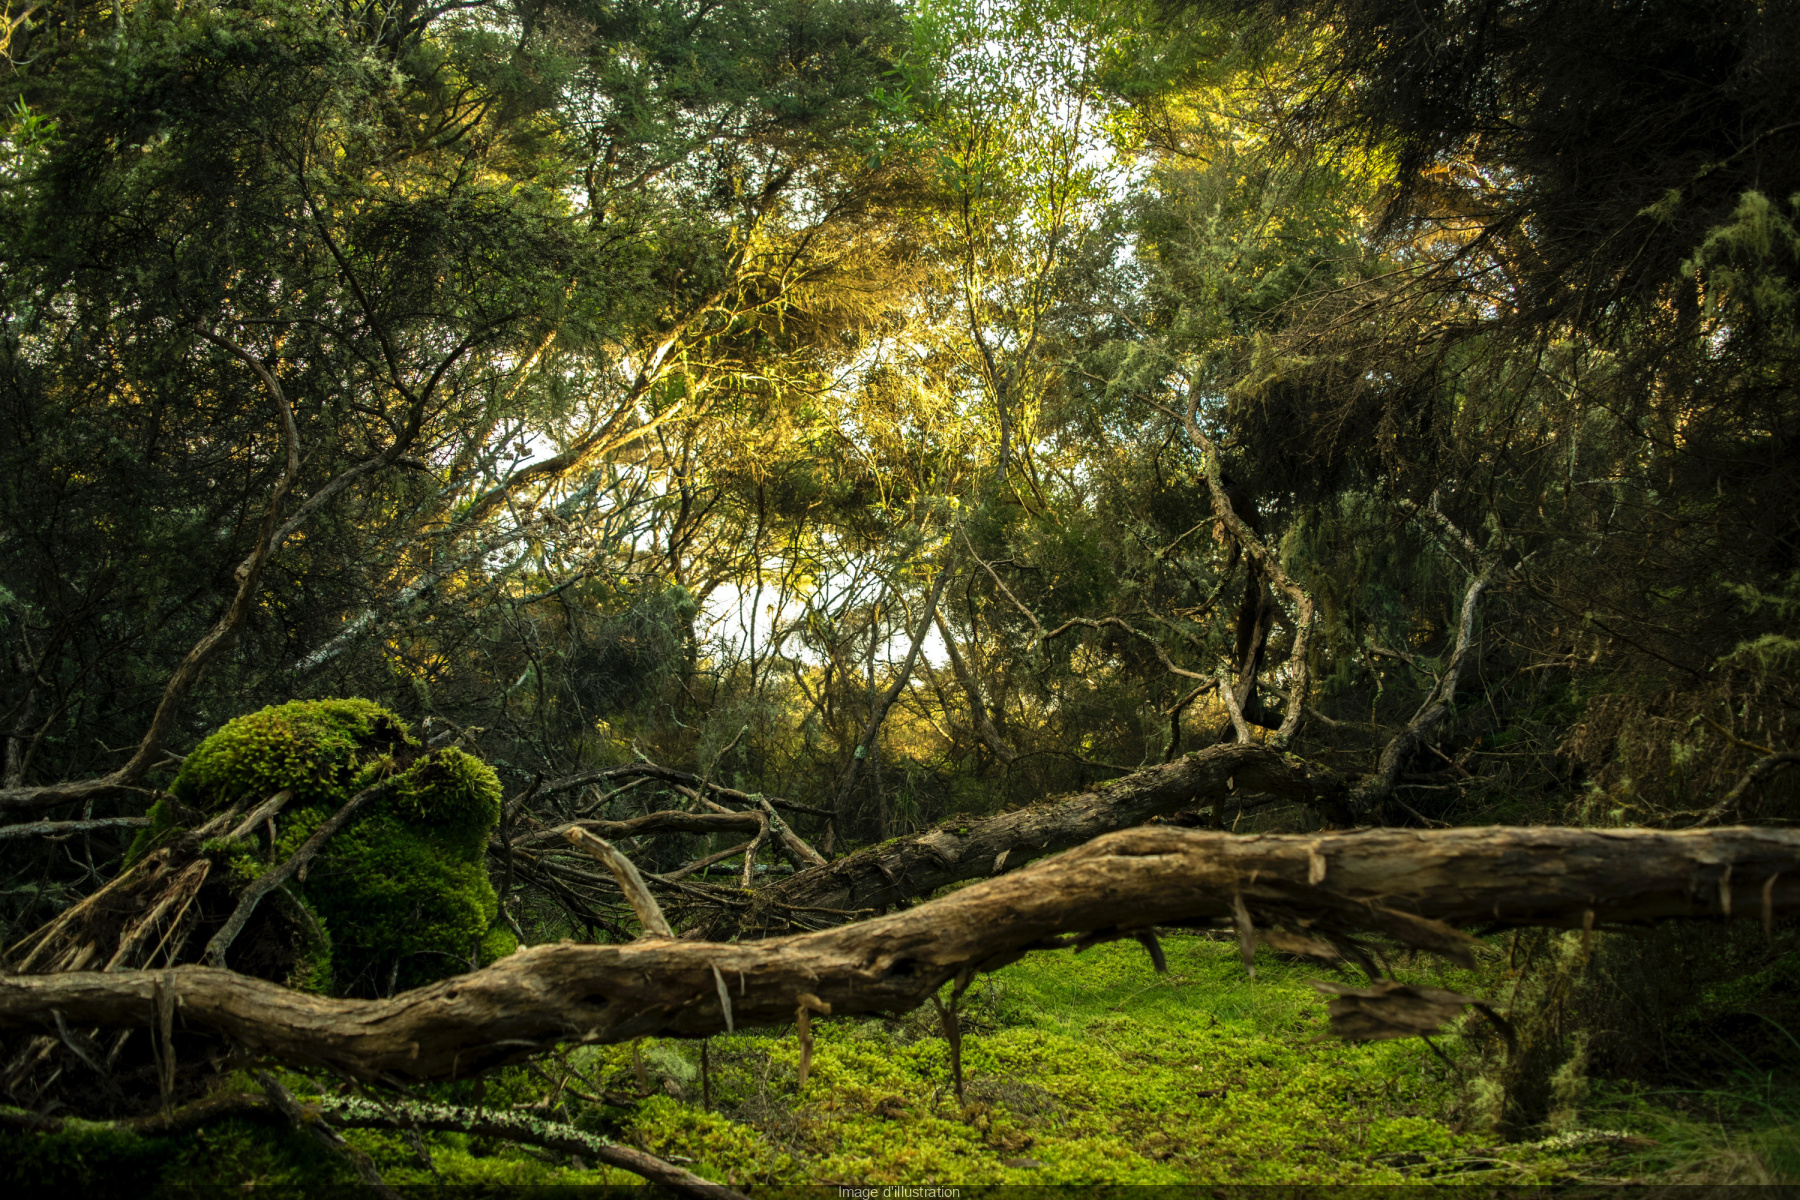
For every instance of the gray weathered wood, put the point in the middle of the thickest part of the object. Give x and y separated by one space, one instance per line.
1411 884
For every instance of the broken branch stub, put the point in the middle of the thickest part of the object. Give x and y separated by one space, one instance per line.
649 912
1390 1009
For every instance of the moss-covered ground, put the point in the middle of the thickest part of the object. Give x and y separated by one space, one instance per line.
1080 1069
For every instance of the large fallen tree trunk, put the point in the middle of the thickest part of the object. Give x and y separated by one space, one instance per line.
893 872
1409 884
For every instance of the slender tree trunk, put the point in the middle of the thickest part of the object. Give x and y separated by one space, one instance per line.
866 743
979 720
1371 796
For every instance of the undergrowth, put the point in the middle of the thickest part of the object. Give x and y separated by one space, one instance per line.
1079 1069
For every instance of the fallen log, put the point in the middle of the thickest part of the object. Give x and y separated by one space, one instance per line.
1412 885
956 851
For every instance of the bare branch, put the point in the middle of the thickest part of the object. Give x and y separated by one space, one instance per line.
1373 792
803 855
751 851
646 825
279 874
652 770
1091 623
54 829
248 575
1162 654
355 1113
1239 726
701 864
1759 770
649 912
1001 584
1267 560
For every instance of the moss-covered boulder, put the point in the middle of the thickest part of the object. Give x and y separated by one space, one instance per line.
400 896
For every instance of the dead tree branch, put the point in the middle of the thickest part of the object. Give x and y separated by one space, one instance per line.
792 844
1412 885
1373 793
270 536
295 865
55 829
956 851
247 576
1269 562
644 826
649 912
650 770
1759 770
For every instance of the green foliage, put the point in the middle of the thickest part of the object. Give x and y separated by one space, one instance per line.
647 360
87 1160
1090 1070
103 1160
1744 1132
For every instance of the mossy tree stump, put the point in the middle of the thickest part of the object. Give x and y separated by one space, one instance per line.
399 897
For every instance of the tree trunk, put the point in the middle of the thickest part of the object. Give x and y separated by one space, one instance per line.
881 876
979 720
866 745
1412 885
1372 794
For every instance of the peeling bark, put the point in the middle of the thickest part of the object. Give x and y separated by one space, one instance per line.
1409 884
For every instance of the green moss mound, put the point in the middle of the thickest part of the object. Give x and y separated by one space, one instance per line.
400 896
318 749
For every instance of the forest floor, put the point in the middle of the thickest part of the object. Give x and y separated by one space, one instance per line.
1087 1069
1079 1069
